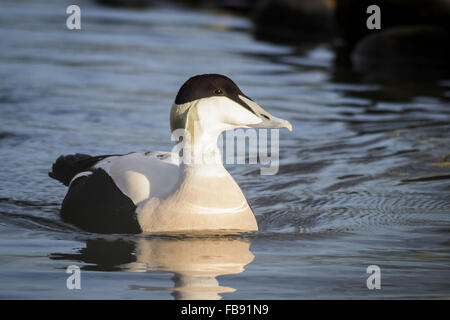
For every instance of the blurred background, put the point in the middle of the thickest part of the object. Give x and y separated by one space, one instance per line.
364 177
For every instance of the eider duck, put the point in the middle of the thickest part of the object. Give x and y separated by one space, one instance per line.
161 192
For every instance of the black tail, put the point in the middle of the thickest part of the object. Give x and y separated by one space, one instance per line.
66 167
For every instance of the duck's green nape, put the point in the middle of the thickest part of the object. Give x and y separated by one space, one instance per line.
178 116
184 116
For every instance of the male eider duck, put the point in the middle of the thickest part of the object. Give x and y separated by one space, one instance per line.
158 192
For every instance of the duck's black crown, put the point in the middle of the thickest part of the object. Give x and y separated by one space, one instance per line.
210 85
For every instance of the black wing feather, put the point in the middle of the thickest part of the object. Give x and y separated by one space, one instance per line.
67 167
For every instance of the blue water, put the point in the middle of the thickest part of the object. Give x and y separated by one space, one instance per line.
364 178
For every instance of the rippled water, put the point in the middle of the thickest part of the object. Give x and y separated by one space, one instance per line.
364 177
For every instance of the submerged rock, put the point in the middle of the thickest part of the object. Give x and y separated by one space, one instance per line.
239 6
294 20
404 53
351 15
236 5
126 3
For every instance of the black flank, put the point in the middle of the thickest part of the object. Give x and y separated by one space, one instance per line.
95 204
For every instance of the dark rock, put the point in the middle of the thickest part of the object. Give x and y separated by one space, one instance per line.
236 5
126 3
351 15
239 6
418 52
294 20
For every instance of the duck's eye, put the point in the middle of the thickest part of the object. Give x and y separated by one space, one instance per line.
218 92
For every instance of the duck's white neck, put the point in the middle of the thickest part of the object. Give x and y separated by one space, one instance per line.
203 121
201 155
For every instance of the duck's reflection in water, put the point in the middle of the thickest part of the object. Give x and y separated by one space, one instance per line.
195 261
